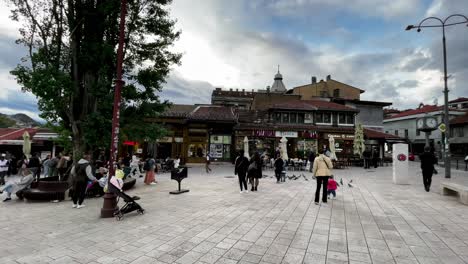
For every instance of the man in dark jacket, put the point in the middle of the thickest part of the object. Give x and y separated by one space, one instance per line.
367 154
279 166
241 166
312 157
35 166
428 160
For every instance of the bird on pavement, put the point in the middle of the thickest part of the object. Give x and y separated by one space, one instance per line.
341 181
349 185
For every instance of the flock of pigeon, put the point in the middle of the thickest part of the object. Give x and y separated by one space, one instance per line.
294 177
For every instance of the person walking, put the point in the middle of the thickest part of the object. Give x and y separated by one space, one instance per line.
24 183
149 171
81 173
311 159
135 167
428 159
241 166
375 157
367 158
279 166
321 170
332 186
62 166
3 168
207 164
254 171
35 166
52 164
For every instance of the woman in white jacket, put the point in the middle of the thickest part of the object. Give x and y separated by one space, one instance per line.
135 167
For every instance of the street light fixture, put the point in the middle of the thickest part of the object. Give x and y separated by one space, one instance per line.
443 24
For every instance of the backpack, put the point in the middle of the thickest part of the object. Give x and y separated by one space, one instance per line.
146 166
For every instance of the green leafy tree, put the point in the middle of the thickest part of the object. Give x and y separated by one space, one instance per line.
71 63
358 143
6 122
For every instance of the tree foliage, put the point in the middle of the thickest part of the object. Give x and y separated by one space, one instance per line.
71 64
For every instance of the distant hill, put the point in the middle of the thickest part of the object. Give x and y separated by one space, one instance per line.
17 120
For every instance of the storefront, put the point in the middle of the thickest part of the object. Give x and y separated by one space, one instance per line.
343 143
220 147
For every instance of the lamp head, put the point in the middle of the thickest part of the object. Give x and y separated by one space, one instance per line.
409 27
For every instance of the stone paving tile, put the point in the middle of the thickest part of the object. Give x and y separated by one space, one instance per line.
374 222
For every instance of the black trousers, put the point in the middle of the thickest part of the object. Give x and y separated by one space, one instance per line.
321 180
242 180
427 177
79 192
278 175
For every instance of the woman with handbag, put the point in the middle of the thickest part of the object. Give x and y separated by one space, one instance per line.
321 170
254 171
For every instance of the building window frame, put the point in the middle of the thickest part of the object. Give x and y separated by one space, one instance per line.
346 116
322 114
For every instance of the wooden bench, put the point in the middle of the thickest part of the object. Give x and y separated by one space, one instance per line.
448 188
46 191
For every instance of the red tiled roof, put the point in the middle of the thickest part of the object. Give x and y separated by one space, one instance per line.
373 134
177 110
460 99
311 105
421 110
15 133
294 127
460 120
213 113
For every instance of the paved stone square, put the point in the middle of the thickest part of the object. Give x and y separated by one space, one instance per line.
375 221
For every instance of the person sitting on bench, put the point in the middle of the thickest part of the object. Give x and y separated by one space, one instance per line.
24 183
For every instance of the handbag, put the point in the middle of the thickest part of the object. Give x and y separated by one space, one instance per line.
252 166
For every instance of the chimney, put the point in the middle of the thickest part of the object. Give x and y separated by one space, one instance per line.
268 88
230 89
243 91
314 80
237 90
328 77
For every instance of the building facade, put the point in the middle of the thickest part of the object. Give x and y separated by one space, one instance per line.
459 135
404 125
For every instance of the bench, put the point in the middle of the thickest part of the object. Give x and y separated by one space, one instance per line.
46 191
448 188
128 183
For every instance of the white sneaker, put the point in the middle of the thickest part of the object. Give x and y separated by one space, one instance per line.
241 192
247 191
74 205
80 206
153 183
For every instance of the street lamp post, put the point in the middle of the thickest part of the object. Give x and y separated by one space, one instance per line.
110 202
443 24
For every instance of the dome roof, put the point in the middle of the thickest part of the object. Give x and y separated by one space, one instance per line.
278 76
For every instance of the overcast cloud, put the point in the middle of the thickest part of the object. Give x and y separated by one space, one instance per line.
238 44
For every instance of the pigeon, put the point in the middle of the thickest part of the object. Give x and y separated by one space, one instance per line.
349 185
350 181
305 178
341 181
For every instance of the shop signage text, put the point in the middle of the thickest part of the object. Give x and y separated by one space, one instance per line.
288 134
340 136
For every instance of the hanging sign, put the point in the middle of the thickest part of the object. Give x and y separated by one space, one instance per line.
288 134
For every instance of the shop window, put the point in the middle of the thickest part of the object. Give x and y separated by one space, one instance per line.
300 118
327 118
396 132
308 118
196 150
323 118
285 117
406 133
293 118
456 132
418 132
346 119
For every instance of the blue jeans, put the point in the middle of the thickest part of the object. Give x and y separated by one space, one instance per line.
332 192
8 188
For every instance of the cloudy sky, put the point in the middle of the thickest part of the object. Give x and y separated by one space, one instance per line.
238 44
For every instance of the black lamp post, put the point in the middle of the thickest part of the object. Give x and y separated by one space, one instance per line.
443 23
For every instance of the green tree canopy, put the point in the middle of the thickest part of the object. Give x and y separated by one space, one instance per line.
71 64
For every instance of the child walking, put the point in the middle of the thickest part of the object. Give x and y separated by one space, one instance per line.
332 186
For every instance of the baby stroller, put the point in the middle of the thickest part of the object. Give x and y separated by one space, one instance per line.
130 204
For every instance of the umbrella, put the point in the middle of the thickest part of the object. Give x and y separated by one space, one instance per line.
26 144
246 147
284 148
331 140
359 145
